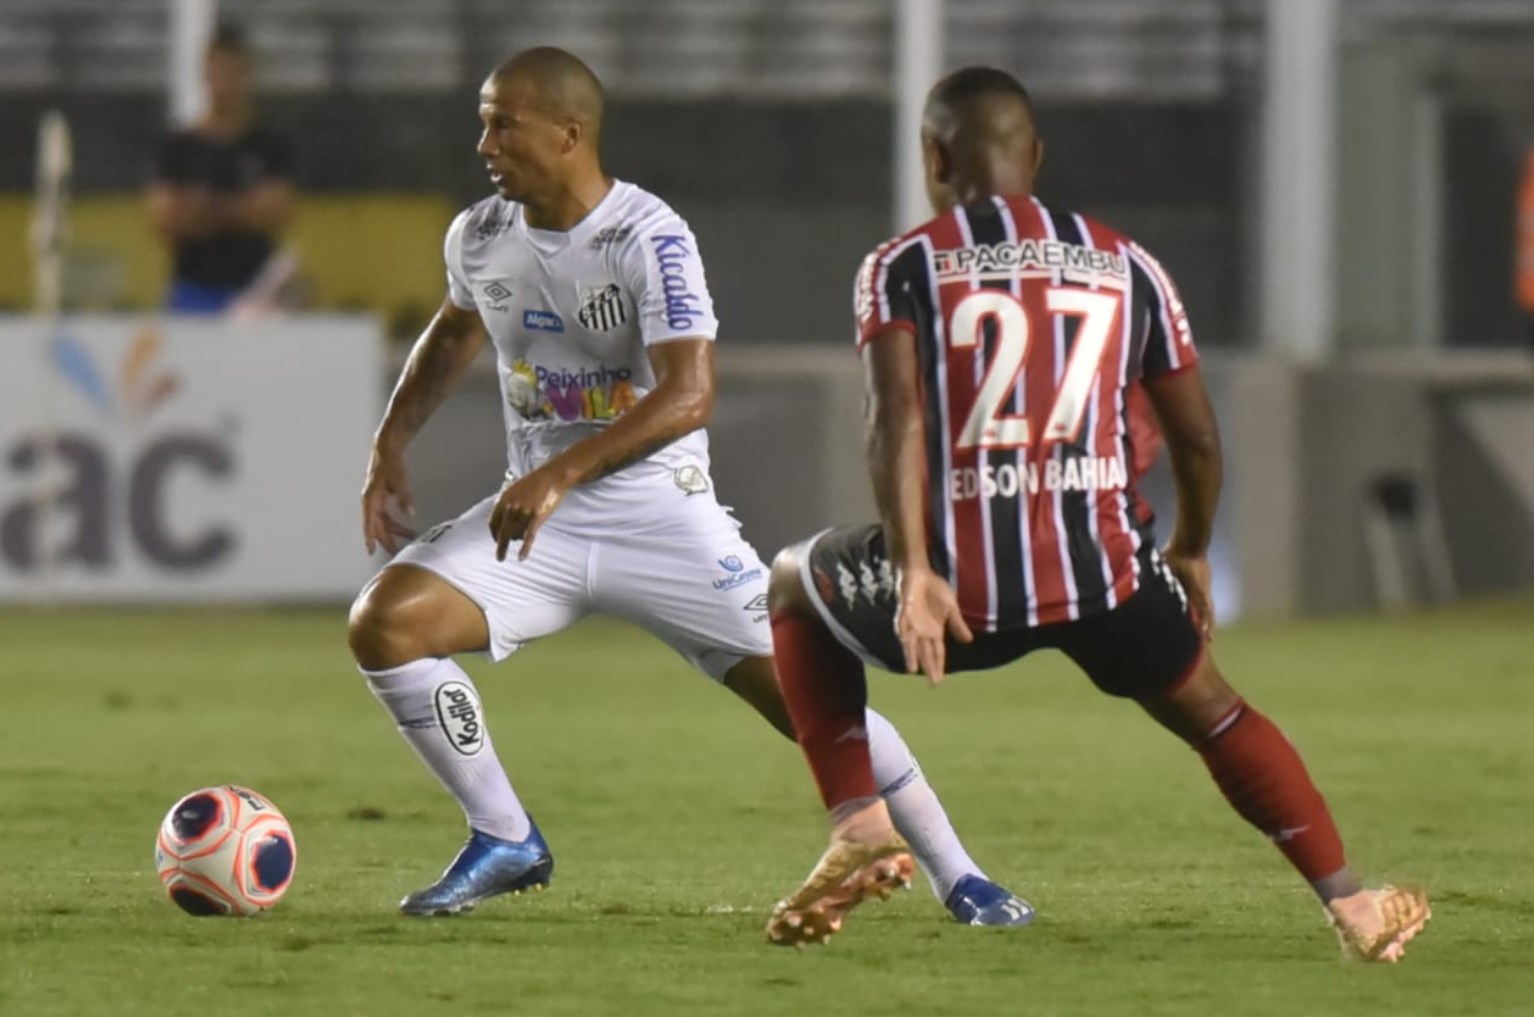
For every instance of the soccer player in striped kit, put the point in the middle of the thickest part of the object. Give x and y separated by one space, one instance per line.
1003 341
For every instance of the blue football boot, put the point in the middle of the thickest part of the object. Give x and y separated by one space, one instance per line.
486 866
977 901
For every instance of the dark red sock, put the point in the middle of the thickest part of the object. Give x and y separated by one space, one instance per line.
827 695
1263 778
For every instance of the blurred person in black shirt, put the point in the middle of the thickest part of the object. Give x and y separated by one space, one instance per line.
222 192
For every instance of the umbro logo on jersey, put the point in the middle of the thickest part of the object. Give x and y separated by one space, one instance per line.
610 236
603 309
497 294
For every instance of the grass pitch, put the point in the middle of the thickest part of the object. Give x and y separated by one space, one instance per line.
677 818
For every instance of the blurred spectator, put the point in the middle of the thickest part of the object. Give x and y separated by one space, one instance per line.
222 193
1524 270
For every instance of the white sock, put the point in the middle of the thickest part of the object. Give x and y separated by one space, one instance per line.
437 708
917 813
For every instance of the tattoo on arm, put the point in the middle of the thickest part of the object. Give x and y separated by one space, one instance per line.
433 369
607 467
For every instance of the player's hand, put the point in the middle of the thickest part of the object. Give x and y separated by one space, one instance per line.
385 483
1192 571
523 506
929 613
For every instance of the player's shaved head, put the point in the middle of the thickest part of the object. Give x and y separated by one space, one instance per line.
981 107
979 136
568 90
542 117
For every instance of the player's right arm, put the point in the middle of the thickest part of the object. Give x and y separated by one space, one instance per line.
436 364
896 442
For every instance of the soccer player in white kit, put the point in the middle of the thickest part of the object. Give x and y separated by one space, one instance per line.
593 294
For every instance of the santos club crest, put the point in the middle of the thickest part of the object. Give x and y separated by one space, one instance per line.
602 309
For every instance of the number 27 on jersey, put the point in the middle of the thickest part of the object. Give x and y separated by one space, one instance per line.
989 426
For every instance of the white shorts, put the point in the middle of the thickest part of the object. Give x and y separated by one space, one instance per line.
678 568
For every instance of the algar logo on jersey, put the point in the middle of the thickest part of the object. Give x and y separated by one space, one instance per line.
536 392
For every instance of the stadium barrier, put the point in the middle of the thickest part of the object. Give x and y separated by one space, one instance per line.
186 460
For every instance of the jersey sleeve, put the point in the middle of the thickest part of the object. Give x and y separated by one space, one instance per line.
664 272
1168 336
882 294
458 290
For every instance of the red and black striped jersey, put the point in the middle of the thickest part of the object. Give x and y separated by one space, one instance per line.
1033 328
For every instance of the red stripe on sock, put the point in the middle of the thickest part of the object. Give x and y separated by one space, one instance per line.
826 693
1264 779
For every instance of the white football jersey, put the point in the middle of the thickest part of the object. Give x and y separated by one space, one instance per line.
571 314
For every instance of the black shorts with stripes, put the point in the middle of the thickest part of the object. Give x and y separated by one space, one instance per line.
1145 644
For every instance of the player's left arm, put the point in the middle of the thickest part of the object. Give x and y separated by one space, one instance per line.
681 402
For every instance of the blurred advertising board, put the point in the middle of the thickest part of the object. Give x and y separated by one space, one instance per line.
184 459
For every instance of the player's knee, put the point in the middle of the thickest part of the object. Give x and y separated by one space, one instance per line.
380 632
785 588
1193 706
1205 698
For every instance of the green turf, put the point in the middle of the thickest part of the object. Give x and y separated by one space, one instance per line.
677 818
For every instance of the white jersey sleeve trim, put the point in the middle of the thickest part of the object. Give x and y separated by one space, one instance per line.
458 289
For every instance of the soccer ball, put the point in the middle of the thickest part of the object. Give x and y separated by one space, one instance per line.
225 851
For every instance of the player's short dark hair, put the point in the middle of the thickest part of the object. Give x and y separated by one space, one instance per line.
967 84
229 37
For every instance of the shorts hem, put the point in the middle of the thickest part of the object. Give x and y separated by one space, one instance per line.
843 636
491 652
1187 675
725 662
